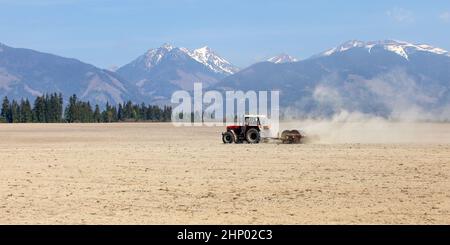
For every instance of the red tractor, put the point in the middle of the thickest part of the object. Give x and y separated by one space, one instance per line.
248 131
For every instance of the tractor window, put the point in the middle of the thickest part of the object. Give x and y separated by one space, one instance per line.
251 121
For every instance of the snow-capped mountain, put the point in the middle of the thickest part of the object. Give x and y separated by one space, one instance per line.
203 55
401 48
391 79
386 78
282 58
160 71
209 58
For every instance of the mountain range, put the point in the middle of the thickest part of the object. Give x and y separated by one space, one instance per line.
391 79
159 72
26 73
386 78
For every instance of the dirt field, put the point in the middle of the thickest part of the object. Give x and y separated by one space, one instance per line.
158 174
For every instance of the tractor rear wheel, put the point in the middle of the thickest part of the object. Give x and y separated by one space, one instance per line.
252 136
228 137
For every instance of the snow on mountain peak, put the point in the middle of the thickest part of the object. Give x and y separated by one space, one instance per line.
154 56
204 49
344 47
213 61
203 55
433 49
401 48
352 44
282 58
167 46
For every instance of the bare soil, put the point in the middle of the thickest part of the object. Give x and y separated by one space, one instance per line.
148 173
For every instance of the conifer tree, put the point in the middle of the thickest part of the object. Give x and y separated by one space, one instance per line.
6 110
26 112
97 114
15 112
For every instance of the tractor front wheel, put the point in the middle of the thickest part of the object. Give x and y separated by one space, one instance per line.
227 137
252 136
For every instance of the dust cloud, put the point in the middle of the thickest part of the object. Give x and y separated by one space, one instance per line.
361 128
409 111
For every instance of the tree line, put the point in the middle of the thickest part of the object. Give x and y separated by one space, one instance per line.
49 108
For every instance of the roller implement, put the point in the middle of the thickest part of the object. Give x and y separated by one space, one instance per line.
254 129
290 137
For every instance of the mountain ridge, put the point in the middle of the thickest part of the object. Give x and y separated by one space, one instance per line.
387 78
282 58
161 71
28 73
381 82
401 48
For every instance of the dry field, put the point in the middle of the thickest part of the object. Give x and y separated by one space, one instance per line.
157 174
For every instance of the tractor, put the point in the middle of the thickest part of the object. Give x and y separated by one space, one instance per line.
248 131
255 128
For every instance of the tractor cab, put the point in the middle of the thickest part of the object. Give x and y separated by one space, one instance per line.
252 121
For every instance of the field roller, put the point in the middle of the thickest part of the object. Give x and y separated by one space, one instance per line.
291 137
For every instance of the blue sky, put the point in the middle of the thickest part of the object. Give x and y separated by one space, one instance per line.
109 32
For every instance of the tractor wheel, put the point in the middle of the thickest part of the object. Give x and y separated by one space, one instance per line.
252 136
228 137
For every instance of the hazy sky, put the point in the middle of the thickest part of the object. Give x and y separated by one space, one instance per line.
108 32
